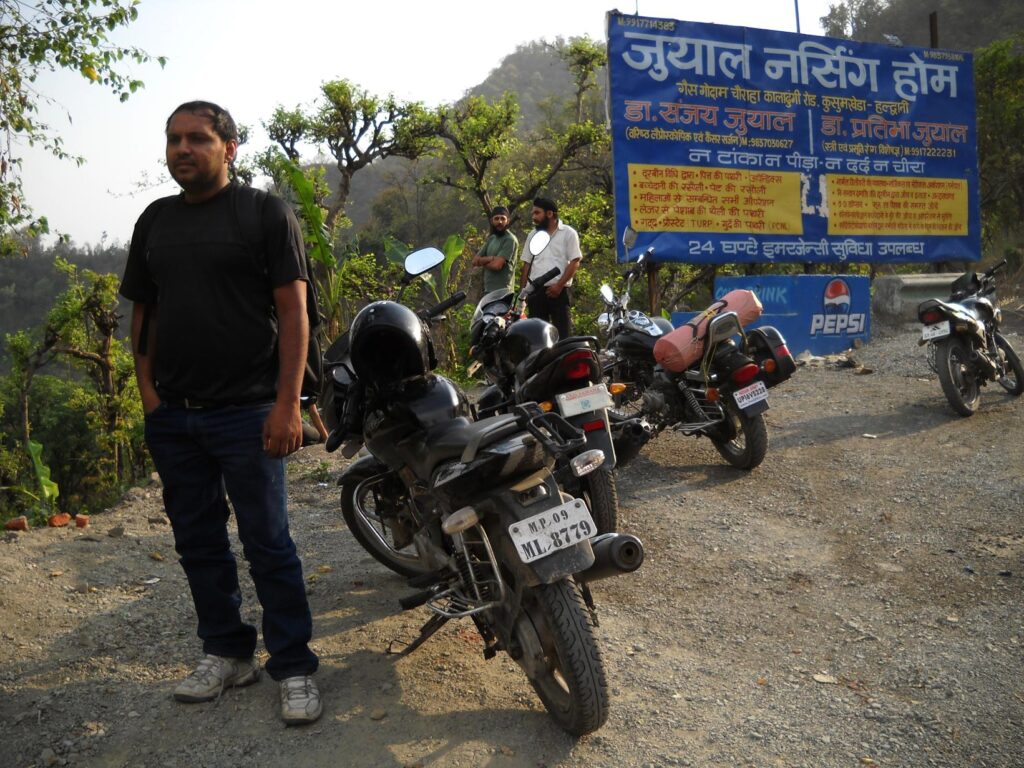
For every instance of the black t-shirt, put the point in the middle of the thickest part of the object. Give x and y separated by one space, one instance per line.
211 295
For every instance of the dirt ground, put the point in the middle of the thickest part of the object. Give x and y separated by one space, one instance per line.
856 600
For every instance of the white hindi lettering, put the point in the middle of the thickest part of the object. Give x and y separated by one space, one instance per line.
916 77
702 57
830 68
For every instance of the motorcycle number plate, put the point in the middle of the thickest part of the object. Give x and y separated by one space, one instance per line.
748 396
937 331
553 529
584 400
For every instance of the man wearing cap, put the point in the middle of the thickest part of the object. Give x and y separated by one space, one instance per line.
498 253
562 251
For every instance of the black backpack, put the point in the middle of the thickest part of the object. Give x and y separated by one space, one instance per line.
247 205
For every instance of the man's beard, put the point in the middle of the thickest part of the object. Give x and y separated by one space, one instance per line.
499 232
542 225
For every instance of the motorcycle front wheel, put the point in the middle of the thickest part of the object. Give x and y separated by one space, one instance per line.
957 376
561 658
1013 381
742 440
377 514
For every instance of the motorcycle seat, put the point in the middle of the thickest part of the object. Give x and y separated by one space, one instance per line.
462 438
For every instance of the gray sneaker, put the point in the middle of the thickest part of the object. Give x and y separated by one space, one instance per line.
300 700
213 675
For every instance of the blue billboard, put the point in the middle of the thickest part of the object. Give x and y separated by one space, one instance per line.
737 145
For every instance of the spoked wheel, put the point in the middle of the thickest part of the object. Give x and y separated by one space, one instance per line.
1013 381
602 499
742 440
561 658
957 376
376 509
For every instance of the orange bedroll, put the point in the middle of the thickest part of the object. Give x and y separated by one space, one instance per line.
678 350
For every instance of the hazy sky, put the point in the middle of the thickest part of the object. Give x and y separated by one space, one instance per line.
252 55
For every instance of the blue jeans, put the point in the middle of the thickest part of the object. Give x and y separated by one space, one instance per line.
200 454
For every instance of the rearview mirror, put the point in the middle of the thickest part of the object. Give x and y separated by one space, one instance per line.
606 293
539 241
629 237
418 262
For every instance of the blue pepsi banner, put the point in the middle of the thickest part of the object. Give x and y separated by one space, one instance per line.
737 145
822 314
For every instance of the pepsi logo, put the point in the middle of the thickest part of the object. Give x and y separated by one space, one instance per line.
837 297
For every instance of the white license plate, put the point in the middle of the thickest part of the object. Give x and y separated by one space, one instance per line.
937 331
552 529
584 400
747 396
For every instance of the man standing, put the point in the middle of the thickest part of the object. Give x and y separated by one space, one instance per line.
220 333
498 253
562 251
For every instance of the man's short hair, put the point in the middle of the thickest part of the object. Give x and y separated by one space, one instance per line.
546 204
223 124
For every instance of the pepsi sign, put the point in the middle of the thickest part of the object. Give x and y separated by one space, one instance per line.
822 314
836 319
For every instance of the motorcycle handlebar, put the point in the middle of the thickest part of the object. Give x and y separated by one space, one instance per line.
992 270
538 282
456 298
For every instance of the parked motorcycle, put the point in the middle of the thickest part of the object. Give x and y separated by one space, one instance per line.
525 361
470 511
722 396
965 347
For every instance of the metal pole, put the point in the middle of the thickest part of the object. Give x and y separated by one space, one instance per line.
796 4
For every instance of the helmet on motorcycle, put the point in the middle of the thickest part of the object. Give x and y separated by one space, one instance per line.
527 336
388 344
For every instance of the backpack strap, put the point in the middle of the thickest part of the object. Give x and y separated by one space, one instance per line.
142 232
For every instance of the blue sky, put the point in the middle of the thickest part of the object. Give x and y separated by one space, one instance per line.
252 55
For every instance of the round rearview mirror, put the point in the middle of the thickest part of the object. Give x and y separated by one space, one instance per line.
539 241
418 262
606 293
629 237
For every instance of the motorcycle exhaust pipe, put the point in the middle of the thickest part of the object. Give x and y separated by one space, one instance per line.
614 554
628 438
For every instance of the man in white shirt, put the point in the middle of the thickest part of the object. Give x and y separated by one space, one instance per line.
562 251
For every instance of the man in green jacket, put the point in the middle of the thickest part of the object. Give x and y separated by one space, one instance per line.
498 253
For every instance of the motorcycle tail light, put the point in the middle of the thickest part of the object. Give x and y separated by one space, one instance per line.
931 316
769 366
593 426
745 373
577 365
783 351
712 395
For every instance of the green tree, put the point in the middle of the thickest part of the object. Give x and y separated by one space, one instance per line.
46 35
356 128
999 78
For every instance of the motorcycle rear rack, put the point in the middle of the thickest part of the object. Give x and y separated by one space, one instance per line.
557 435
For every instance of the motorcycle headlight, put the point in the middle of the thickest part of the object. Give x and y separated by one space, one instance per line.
603 321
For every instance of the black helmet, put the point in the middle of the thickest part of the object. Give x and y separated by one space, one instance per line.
527 336
388 344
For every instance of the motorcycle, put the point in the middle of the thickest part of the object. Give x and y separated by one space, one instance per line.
525 361
470 510
965 347
722 396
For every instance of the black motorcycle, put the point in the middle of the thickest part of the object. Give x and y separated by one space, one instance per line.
965 347
525 361
722 396
471 511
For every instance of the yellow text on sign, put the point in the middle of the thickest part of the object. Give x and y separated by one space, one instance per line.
678 198
896 205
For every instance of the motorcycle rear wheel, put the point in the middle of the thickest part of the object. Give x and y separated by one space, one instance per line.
957 376
556 629
1014 381
602 499
372 530
748 444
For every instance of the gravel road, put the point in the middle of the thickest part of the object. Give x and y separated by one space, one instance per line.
856 600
